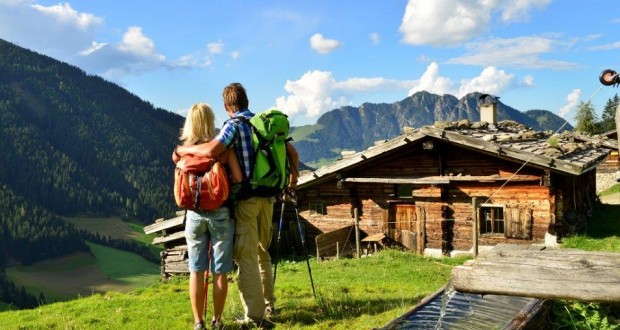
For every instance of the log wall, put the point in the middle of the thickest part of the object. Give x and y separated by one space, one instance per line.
448 209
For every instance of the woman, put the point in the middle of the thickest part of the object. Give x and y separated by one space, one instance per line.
214 228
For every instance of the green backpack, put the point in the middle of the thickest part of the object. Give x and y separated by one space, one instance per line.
269 137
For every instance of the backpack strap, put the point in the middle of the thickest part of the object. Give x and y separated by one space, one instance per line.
245 189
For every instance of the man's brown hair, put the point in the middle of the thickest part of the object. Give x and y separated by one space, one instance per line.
235 97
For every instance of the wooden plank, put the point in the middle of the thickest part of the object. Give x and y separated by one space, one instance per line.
164 239
159 226
550 274
326 243
374 238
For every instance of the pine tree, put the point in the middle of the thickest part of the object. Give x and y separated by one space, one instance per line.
608 121
587 122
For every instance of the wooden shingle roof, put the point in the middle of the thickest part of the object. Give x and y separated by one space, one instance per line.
564 153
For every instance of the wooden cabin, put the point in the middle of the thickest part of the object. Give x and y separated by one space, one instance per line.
446 188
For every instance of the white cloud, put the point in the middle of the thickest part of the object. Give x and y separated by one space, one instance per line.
374 38
47 29
490 81
64 14
518 11
136 43
314 93
215 47
611 46
522 52
451 22
322 45
134 54
234 55
432 82
443 22
572 102
317 92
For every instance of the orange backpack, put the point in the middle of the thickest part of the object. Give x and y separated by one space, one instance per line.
200 183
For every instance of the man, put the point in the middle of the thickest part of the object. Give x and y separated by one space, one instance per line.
253 215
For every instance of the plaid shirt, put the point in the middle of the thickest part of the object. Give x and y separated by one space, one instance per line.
238 134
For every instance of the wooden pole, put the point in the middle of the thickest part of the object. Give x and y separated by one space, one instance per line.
337 250
475 226
357 232
618 124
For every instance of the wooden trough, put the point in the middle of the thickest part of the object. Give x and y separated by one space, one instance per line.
453 310
565 274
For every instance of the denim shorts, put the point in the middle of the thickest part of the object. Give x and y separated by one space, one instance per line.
215 228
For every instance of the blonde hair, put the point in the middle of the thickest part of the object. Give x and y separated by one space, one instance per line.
199 124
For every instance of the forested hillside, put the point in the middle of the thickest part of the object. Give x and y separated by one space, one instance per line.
73 144
77 144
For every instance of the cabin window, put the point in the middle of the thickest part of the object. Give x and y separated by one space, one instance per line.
492 220
404 191
316 209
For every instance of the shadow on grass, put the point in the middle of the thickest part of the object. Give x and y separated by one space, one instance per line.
605 221
341 308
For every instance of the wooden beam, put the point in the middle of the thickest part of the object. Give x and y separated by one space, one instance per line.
446 179
167 224
617 120
548 274
426 180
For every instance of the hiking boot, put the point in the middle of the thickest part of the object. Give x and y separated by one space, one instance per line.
249 323
270 311
199 325
217 324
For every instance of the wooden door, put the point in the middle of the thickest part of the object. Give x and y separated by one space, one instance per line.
404 225
405 217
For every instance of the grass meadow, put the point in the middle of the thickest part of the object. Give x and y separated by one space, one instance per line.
361 293
351 294
83 274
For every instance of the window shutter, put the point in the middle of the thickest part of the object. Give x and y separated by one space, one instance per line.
518 222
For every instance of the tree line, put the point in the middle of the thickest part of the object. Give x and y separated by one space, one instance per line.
587 122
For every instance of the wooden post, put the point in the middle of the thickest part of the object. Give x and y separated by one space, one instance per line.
357 232
475 226
618 123
337 250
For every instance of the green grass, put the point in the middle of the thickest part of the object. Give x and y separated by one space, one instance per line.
611 190
124 266
602 231
116 228
352 294
5 307
301 133
82 274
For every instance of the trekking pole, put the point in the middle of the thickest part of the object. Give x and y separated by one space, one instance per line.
206 283
275 266
303 241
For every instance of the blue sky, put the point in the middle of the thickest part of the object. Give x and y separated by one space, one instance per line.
309 57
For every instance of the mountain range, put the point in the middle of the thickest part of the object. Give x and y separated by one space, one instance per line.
357 128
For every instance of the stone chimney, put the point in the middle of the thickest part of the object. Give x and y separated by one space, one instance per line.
488 109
